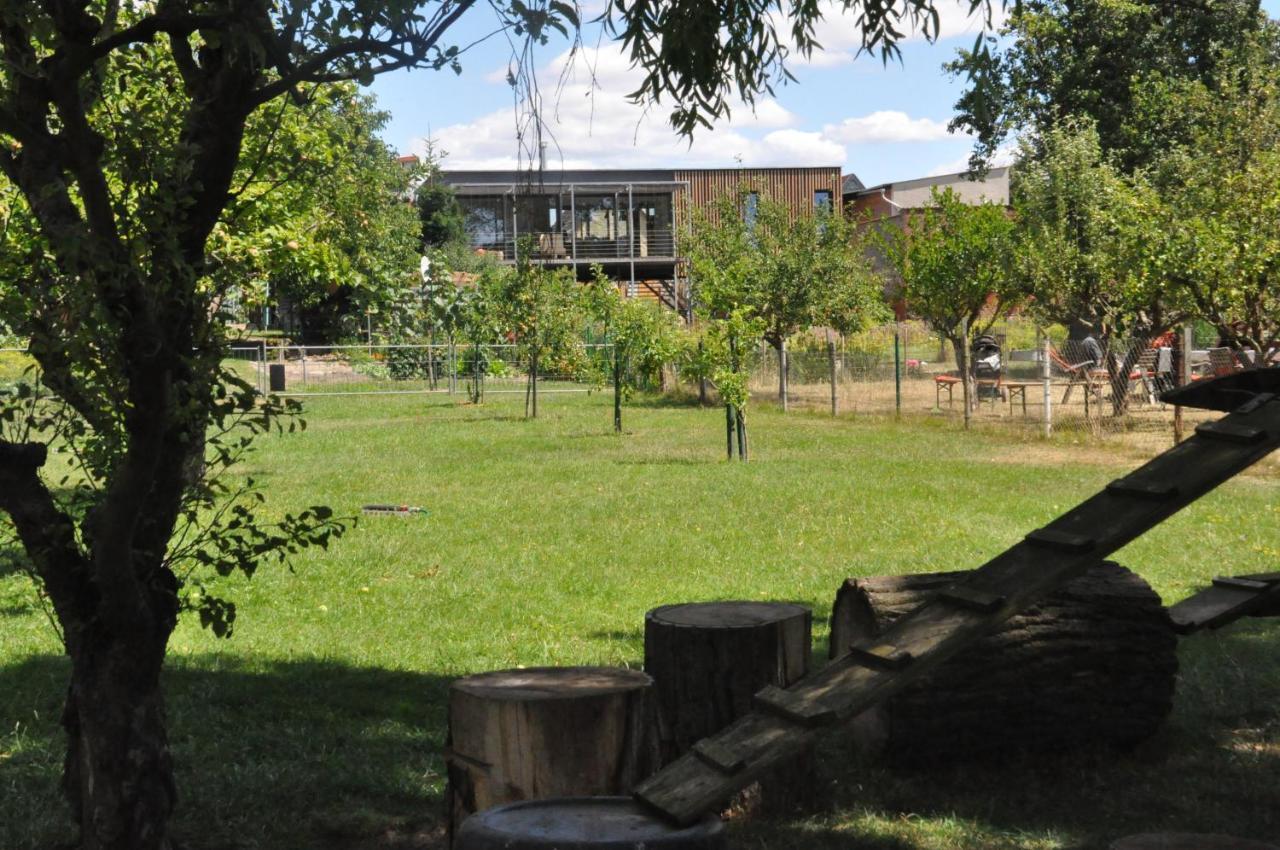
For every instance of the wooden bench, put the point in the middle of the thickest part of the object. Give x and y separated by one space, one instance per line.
1018 389
949 381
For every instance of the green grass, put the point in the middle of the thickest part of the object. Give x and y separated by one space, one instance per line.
320 723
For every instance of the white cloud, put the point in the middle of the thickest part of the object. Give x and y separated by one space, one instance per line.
839 30
887 125
1004 156
589 123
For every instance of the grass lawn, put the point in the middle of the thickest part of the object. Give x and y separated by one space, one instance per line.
320 723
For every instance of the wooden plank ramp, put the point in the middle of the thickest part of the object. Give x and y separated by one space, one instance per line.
785 721
1226 600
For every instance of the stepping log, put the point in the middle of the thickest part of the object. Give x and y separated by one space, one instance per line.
1092 665
584 823
708 660
546 732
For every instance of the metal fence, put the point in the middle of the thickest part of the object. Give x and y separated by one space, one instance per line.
1047 385
314 370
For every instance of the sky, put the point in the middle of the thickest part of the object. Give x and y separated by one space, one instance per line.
882 122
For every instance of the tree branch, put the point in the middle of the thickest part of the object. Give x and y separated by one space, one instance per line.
46 532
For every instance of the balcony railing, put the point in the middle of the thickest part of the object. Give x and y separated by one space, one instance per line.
653 244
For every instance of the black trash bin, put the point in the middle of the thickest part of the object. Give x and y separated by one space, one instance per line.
275 377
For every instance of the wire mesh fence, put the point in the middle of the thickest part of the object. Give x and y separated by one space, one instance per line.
312 370
1040 384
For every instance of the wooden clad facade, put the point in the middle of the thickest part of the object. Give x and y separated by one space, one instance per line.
795 187
628 222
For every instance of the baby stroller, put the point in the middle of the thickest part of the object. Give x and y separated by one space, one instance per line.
987 366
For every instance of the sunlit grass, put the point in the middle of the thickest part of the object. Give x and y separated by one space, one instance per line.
320 722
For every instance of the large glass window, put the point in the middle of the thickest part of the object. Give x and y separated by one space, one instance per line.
485 221
750 210
654 226
822 200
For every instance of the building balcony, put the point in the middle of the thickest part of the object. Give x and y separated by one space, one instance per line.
559 247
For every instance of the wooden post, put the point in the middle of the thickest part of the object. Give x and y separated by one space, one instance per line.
709 659
1091 665
453 367
617 388
1184 378
962 362
546 732
831 368
897 369
533 375
1045 377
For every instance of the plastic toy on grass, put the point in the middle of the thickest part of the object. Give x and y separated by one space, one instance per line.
393 510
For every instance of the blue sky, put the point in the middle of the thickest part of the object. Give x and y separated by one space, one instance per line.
883 123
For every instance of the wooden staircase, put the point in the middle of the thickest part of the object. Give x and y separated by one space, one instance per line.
661 292
785 721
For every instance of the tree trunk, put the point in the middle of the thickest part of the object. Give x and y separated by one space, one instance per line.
729 421
1119 376
1092 665
781 348
118 773
546 732
708 660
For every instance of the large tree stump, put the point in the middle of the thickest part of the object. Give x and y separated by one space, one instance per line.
546 732
708 659
1092 665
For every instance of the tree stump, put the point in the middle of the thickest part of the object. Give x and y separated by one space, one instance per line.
708 659
546 732
585 823
1092 665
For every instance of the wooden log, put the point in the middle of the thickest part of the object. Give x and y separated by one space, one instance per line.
1093 665
546 732
708 659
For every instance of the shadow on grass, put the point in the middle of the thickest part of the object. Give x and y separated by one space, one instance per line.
279 754
668 401
670 461
13 560
319 754
1214 768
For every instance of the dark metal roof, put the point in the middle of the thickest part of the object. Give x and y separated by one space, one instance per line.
556 177
851 183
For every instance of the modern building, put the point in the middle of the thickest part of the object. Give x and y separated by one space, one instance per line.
627 221
889 200
891 204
